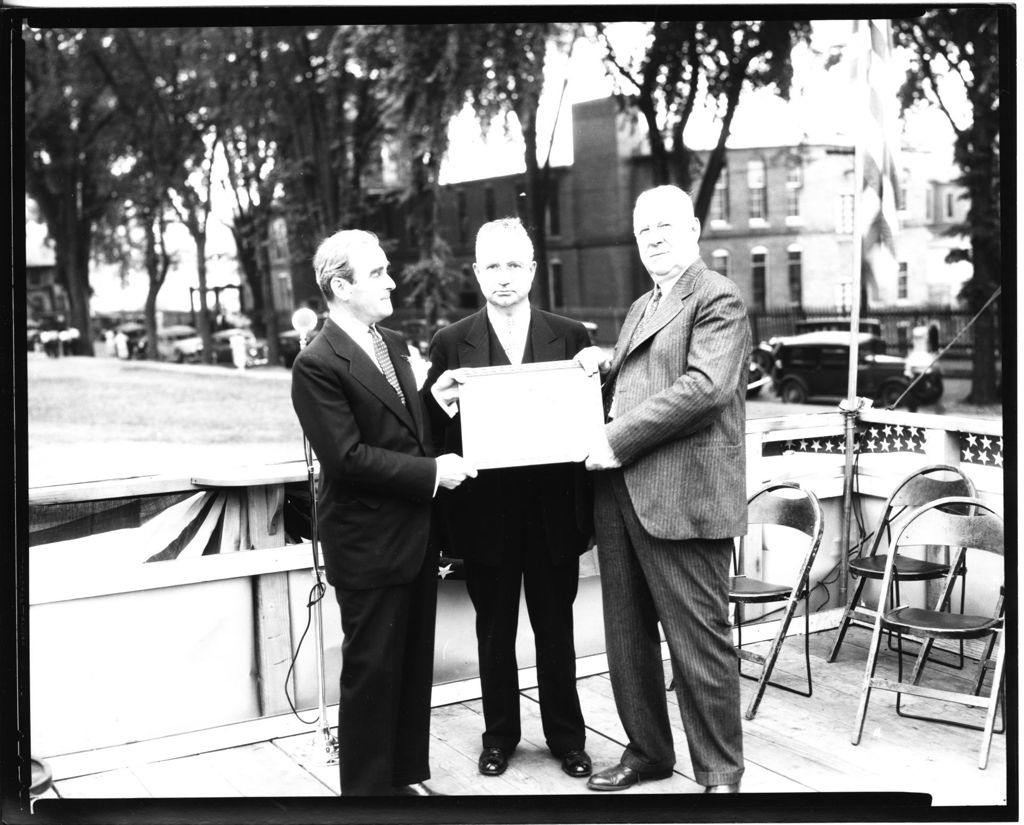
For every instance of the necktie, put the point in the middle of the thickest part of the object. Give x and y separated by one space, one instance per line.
649 310
652 306
380 349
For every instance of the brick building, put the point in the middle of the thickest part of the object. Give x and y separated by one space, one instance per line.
780 225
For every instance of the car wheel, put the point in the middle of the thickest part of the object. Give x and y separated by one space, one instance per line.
890 394
793 392
762 359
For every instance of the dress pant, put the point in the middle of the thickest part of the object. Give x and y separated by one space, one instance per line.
684 586
386 677
550 591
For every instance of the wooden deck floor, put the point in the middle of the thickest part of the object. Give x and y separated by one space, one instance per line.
795 745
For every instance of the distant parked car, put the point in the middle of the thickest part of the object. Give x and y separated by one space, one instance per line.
762 354
288 345
190 350
816 364
166 338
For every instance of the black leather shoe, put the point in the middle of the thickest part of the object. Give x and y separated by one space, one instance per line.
733 787
416 789
577 764
620 777
492 762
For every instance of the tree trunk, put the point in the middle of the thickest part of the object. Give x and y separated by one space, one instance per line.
269 315
155 282
245 236
538 198
203 317
702 203
984 375
80 290
659 154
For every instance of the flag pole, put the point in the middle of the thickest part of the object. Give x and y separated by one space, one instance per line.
851 405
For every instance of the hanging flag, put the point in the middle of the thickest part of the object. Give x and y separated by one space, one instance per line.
878 146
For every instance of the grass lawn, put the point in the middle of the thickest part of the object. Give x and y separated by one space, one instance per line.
95 418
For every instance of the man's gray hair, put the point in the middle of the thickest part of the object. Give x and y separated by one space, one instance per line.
669 191
333 256
504 226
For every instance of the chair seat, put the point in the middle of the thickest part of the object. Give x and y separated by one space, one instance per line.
908 569
746 589
939 624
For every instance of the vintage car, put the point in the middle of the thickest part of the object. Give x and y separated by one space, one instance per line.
816 364
762 353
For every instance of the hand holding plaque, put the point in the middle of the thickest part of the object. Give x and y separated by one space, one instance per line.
543 413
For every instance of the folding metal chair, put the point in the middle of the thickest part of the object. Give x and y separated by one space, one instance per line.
799 510
924 485
963 523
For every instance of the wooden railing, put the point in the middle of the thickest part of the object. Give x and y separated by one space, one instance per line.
164 604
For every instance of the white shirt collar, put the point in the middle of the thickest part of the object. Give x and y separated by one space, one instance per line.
667 282
518 319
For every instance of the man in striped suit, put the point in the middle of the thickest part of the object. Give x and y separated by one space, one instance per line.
670 499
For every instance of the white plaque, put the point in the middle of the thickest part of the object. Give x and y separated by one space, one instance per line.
543 413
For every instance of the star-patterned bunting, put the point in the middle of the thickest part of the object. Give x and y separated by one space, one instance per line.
449 568
891 438
875 438
986 450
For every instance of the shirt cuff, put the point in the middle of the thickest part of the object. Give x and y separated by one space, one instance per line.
437 478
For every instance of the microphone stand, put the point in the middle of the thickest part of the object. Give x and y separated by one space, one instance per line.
328 742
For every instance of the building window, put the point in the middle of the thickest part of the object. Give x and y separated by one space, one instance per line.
844 220
463 216
758 190
555 273
950 203
794 261
794 186
720 261
554 210
759 275
522 208
903 190
929 206
489 203
902 282
720 200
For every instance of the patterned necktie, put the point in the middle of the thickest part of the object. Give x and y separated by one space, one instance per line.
380 349
652 306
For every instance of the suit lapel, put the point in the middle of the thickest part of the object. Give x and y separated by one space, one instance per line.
367 373
547 344
406 377
669 307
473 349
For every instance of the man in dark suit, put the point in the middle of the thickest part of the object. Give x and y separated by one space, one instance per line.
669 502
356 398
521 527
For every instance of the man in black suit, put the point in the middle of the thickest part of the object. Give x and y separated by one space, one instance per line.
356 398
516 527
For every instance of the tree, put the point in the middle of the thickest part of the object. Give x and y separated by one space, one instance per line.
514 57
324 124
963 43
688 60
246 123
425 72
72 139
163 81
